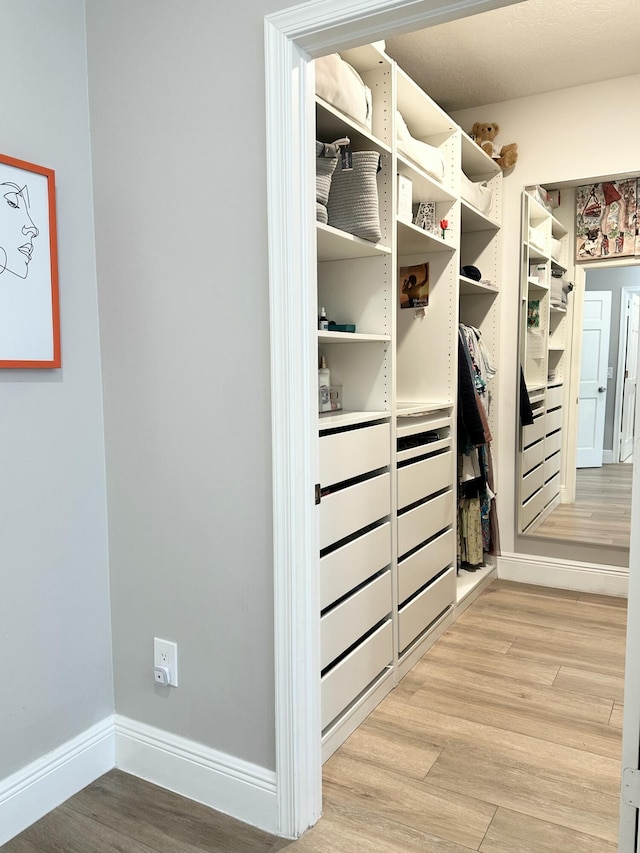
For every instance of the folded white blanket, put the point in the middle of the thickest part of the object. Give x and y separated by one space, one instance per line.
429 158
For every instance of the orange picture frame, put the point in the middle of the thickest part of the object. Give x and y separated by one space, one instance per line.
29 295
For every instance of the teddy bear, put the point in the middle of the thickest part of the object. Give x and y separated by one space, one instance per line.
484 134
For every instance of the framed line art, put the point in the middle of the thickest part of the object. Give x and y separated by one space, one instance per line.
29 305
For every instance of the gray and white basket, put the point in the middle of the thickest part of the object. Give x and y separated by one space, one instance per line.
353 197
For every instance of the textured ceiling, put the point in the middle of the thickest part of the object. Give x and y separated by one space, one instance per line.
526 49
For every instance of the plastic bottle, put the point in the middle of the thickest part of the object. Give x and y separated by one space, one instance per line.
323 322
324 385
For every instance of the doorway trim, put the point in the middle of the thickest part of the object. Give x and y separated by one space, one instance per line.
292 37
625 293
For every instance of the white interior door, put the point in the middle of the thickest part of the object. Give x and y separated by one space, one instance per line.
596 326
630 377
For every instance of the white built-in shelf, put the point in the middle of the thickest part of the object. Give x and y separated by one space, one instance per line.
476 163
331 124
555 310
349 337
367 57
556 349
424 187
537 212
558 265
413 240
466 582
414 409
424 118
535 285
336 245
474 220
557 228
329 420
470 287
537 253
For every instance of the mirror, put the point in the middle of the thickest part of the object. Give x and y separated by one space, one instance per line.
579 362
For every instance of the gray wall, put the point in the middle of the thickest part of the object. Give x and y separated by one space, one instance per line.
178 128
54 606
613 280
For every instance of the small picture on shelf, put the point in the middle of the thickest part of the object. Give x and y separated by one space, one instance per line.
533 314
424 216
414 286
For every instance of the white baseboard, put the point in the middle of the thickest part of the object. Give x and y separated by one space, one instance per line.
222 782
41 786
564 574
607 457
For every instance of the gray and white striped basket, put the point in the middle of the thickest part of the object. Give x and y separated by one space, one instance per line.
326 161
353 197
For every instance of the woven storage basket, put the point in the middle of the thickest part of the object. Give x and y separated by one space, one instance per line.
353 198
326 161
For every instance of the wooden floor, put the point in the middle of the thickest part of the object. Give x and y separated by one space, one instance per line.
505 738
602 511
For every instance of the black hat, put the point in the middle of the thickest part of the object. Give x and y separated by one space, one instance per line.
471 272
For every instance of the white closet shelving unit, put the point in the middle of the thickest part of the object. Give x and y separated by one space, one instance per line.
544 358
387 478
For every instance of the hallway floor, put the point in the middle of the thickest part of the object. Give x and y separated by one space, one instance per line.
504 738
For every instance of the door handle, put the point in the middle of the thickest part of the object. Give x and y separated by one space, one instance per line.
602 389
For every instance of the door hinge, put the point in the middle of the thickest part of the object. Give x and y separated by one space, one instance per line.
318 495
631 787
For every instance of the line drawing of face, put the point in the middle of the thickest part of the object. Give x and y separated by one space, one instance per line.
17 230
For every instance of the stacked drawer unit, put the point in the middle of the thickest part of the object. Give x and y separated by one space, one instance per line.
356 634
552 445
532 497
426 580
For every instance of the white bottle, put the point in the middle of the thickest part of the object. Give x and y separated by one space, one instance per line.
324 385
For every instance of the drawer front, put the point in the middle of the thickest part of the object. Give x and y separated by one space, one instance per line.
424 521
419 568
531 483
346 623
344 455
531 508
551 466
553 420
554 396
347 679
421 479
414 617
552 443
345 568
552 489
348 510
533 456
533 432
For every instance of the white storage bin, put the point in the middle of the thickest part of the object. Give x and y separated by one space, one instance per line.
353 617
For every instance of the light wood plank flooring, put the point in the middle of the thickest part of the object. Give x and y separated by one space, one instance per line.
602 511
504 738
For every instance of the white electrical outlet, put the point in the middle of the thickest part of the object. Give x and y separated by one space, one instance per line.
165 657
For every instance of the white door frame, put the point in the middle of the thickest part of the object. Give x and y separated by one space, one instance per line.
592 456
292 37
625 293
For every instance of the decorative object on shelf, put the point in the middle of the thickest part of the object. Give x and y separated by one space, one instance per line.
444 225
484 135
335 396
471 272
606 219
340 85
341 327
353 197
324 386
29 307
533 314
425 216
323 322
414 286
405 190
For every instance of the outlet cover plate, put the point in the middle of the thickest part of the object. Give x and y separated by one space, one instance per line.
165 653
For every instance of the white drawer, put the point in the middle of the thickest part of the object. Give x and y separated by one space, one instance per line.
551 466
533 432
533 456
553 420
345 568
531 483
424 521
414 617
531 508
353 617
420 567
348 510
423 478
552 489
348 454
341 685
552 443
554 396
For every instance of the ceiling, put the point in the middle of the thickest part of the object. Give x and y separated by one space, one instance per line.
532 47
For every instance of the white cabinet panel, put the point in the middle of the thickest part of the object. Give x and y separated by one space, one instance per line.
348 454
420 567
421 479
424 608
347 567
419 524
347 510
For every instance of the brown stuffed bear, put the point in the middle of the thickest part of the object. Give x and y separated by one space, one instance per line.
484 135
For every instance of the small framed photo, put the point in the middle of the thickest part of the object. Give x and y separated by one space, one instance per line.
424 216
29 302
